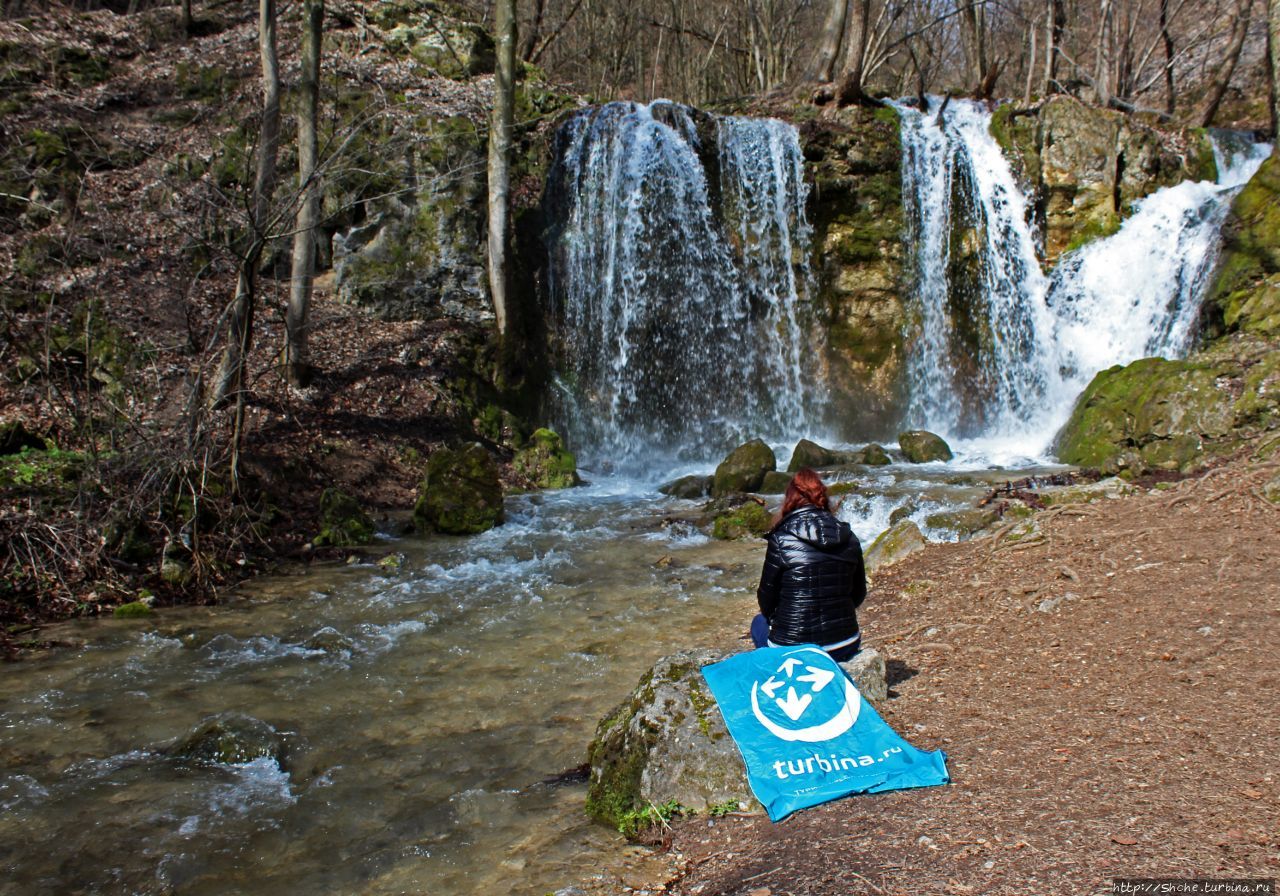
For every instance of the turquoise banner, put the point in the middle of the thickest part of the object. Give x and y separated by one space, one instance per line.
806 734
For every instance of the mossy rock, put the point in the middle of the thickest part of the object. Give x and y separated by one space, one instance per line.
546 463
343 522
811 454
893 544
921 446
1245 294
744 469
665 743
775 483
127 538
963 523
461 493
745 521
136 609
230 739
1151 414
690 488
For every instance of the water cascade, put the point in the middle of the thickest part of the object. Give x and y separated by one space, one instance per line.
677 281
1000 350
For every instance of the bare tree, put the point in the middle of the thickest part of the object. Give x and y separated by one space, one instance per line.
296 368
1273 66
824 60
1166 39
229 381
500 155
1221 77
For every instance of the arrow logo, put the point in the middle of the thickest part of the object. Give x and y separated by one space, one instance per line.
819 678
771 686
794 706
789 665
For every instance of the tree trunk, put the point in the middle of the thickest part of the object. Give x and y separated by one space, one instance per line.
187 21
1103 68
852 90
230 377
824 61
296 369
1055 25
1170 95
529 40
1222 75
972 34
500 155
1273 64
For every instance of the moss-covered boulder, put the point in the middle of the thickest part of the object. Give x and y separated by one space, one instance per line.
1152 414
343 522
1245 295
665 743
811 454
135 609
748 520
743 470
688 487
433 35
893 544
230 739
461 493
775 483
963 523
545 462
872 455
920 446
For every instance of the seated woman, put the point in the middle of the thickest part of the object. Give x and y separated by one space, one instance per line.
813 580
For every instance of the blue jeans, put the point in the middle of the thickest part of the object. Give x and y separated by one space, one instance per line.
760 638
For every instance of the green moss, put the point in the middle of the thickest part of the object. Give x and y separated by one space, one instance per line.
743 470
545 462
637 821
343 522
461 493
748 520
134 610
1246 288
1096 228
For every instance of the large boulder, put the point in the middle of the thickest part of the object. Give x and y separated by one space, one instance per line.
811 454
230 739
687 487
546 463
433 36
920 446
744 469
665 742
748 520
461 493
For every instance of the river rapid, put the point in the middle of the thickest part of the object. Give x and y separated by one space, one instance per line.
422 709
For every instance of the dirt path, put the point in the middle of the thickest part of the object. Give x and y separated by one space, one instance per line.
1130 731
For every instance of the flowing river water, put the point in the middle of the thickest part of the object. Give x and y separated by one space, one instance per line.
419 724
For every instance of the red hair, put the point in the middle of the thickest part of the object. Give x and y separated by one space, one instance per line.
805 488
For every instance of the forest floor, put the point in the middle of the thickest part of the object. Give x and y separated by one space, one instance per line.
1105 695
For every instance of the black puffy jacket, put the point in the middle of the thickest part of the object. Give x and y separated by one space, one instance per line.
813 579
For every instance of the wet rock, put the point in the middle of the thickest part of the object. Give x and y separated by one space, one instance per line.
665 742
392 563
901 513
230 739
775 483
461 493
744 469
687 487
343 522
920 446
873 455
546 463
867 669
330 640
1246 288
894 544
14 437
963 523
136 609
748 520
811 454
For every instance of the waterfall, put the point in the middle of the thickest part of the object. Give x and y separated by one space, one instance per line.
677 280
998 350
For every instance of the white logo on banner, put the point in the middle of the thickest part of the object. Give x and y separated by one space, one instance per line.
788 691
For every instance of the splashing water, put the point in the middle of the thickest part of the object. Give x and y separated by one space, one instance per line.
1000 351
678 270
